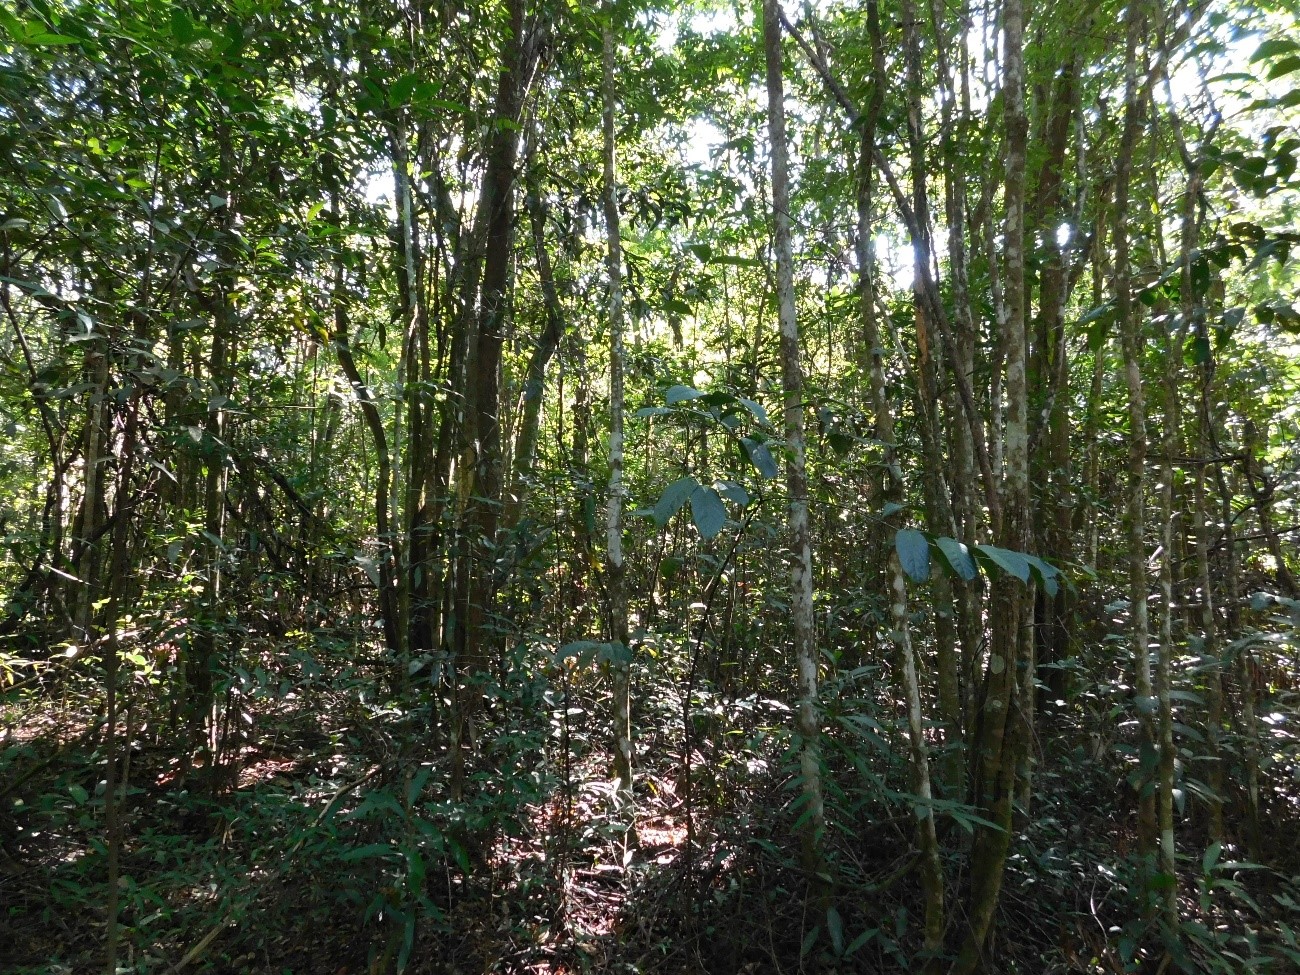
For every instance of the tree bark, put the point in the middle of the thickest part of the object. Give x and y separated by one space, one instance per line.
484 473
620 668
807 718
1001 735
1135 517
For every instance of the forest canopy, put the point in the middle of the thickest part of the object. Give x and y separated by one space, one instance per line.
536 486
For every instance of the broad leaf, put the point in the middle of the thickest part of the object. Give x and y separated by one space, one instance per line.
760 457
913 553
732 491
680 394
708 511
1047 574
957 556
1008 561
674 496
615 652
755 408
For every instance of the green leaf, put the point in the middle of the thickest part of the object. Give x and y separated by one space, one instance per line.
674 496
913 553
835 928
1097 324
79 795
615 652
367 852
49 39
732 491
869 729
760 457
1284 67
809 940
584 650
1047 574
457 107
1013 563
15 27
680 394
957 556
755 408
371 569
708 511
1273 47
400 91
861 940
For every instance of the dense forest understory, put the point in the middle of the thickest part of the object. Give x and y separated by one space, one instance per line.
538 486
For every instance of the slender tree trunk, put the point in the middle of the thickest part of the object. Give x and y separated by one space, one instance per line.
1168 609
1135 518
891 490
484 475
1050 374
534 386
1246 720
387 558
1261 489
1001 734
873 356
931 868
966 512
620 669
411 553
807 719
86 540
118 590
938 509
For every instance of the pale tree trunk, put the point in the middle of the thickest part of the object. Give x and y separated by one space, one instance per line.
927 835
873 358
619 668
1194 320
1165 649
386 557
1001 734
1209 624
938 510
892 490
1135 518
1194 317
1087 520
807 719
1247 722
966 513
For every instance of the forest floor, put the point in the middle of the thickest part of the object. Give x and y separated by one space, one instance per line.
316 848
326 843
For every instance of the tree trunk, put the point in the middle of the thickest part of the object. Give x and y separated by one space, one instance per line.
1000 736
807 719
476 637
619 668
1135 518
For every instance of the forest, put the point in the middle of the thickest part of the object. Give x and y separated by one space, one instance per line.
544 486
